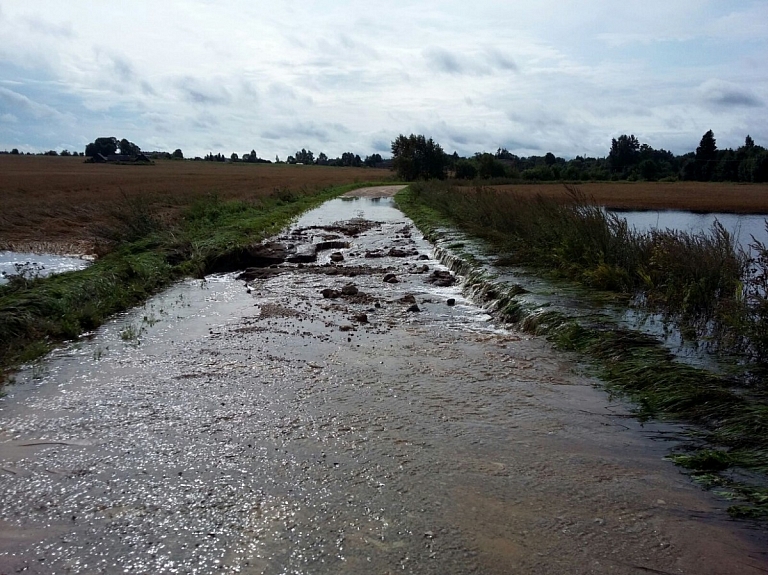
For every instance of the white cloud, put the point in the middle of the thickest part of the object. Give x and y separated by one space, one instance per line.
562 76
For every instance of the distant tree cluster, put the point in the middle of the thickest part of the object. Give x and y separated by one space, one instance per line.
418 158
108 146
346 160
627 159
64 153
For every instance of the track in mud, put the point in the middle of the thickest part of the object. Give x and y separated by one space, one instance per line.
273 430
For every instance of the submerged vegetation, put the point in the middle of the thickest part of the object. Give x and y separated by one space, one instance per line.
713 292
143 252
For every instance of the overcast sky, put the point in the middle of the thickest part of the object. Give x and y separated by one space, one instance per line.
533 75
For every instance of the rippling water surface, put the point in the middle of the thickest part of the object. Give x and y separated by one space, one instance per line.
225 428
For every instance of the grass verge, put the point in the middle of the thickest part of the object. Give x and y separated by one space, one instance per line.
145 255
731 420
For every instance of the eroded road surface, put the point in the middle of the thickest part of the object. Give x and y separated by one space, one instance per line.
321 420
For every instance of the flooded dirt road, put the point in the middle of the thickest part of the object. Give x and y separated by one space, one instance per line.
321 420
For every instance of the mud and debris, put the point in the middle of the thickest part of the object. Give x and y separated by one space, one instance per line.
268 428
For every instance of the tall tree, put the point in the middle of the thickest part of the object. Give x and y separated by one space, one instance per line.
128 148
624 152
707 149
706 157
305 157
416 157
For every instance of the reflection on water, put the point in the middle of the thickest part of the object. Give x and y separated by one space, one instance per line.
743 227
346 208
38 264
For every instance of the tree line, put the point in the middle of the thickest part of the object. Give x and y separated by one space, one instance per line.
416 157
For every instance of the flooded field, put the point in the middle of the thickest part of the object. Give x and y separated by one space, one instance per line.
745 228
37 264
348 412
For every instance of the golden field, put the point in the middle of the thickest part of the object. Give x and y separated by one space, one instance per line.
692 196
53 203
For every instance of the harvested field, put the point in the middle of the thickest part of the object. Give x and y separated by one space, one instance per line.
53 203
725 197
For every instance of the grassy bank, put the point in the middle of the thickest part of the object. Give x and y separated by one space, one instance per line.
144 254
703 282
694 278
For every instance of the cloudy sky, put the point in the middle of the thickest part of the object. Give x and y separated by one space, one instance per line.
529 75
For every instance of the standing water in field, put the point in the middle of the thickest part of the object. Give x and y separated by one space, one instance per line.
33 265
743 227
345 411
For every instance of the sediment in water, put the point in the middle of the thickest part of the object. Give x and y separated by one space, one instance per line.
729 417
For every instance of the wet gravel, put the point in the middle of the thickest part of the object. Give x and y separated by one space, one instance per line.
225 428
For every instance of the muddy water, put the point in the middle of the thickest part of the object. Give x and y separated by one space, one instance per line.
225 429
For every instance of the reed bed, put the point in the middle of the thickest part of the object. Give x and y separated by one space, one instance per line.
702 282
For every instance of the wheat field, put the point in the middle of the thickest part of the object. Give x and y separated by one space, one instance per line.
53 203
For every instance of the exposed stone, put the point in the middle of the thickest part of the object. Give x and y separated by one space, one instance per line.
408 298
330 293
414 309
349 289
331 245
361 318
251 274
337 257
304 254
391 278
423 257
401 253
442 278
451 302
266 254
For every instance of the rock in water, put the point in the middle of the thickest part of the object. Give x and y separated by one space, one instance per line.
266 254
442 278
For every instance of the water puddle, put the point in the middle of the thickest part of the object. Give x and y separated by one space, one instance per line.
38 265
319 419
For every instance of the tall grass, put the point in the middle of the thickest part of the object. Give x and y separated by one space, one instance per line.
709 286
704 282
